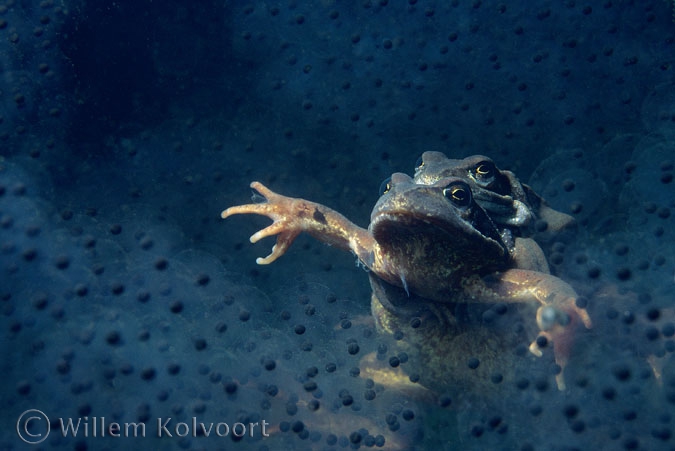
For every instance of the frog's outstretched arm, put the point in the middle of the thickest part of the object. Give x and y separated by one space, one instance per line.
292 216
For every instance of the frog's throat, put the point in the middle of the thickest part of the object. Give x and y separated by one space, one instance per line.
404 305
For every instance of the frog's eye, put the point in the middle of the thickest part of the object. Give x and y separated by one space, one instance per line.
385 186
484 172
458 193
419 164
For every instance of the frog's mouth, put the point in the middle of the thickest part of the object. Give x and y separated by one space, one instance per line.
394 228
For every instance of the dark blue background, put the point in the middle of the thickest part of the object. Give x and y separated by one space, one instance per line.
128 126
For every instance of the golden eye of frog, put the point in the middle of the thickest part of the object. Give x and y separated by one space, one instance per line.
509 203
436 243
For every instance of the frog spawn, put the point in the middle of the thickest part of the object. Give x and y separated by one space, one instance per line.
133 329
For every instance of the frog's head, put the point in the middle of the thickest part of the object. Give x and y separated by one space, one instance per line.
432 237
498 192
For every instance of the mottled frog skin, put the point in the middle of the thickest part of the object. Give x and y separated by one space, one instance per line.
429 248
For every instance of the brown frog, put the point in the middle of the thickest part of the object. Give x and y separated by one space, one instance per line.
430 248
510 204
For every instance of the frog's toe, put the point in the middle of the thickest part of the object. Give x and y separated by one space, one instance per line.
284 240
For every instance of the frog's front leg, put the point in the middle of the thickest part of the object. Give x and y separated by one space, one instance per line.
557 315
292 216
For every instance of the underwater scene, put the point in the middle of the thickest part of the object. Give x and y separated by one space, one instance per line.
325 225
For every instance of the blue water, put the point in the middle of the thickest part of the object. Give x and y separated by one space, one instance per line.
127 127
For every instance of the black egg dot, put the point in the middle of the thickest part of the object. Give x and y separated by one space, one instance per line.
353 348
300 329
244 315
310 386
354 371
496 378
593 272
576 207
146 243
161 264
369 395
541 384
297 426
623 274
331 367
40 301
473 363
200 344
652 333
148 374
581 302
570 411
407 415
522 383
143 296
113 338
347 400
313 405
653 314
173 369
115 229
215 377
62 262
63 366
29 254
203 279
577 426
622 372
269 364
23 387
541 225
230 387
345 324
621 249
630 415
176 307
609 393
394 361
117 288
272 390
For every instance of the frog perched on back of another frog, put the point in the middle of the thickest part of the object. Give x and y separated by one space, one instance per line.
430 248
510 204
